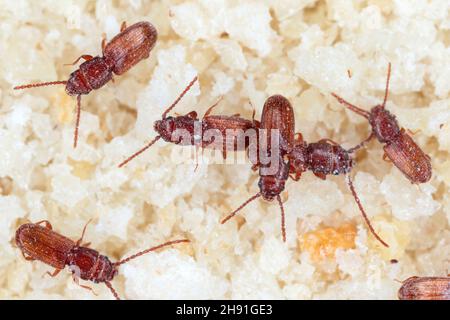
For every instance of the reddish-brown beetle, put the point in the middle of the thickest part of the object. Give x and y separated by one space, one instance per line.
125 50
425 288
399 147
230 129
277 116
42 243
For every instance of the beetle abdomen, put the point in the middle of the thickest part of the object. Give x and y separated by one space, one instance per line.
278 114
409 158
43 244
425 288
236 133
131 46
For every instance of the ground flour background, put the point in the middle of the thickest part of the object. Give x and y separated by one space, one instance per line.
244 51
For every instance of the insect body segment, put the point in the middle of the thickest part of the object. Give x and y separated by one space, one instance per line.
425 288
41 243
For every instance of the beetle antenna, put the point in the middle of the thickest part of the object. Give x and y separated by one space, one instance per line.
114 292
387 85
283 226
361 144
352 107
358 202
231 215
179 97
134 256
139 152
77 124
42 84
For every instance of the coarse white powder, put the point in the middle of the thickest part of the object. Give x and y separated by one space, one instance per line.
244 51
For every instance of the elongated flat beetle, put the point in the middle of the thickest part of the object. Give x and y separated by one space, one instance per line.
425 288
277 115
42 243
231 128
125 50
399 147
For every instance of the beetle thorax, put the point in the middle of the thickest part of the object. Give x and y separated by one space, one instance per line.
88 264
328 159
178 130
384 124
92 74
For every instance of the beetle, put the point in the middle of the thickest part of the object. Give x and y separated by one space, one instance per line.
125 50
425 288
278 115
38 242
327 157
399 147
204 133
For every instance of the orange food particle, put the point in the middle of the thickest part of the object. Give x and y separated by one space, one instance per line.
82 169
323 243
65 106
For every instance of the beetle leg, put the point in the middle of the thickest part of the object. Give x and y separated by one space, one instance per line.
192 115
386 158
123 26
76 280
52 274
224 151
86 57
413 132
362 143
253 112
28 258
329 141
103 44
320 175
82 234
296 176
212 107
47 223
298 137
196 157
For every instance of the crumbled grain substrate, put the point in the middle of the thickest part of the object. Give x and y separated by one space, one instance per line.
243 51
